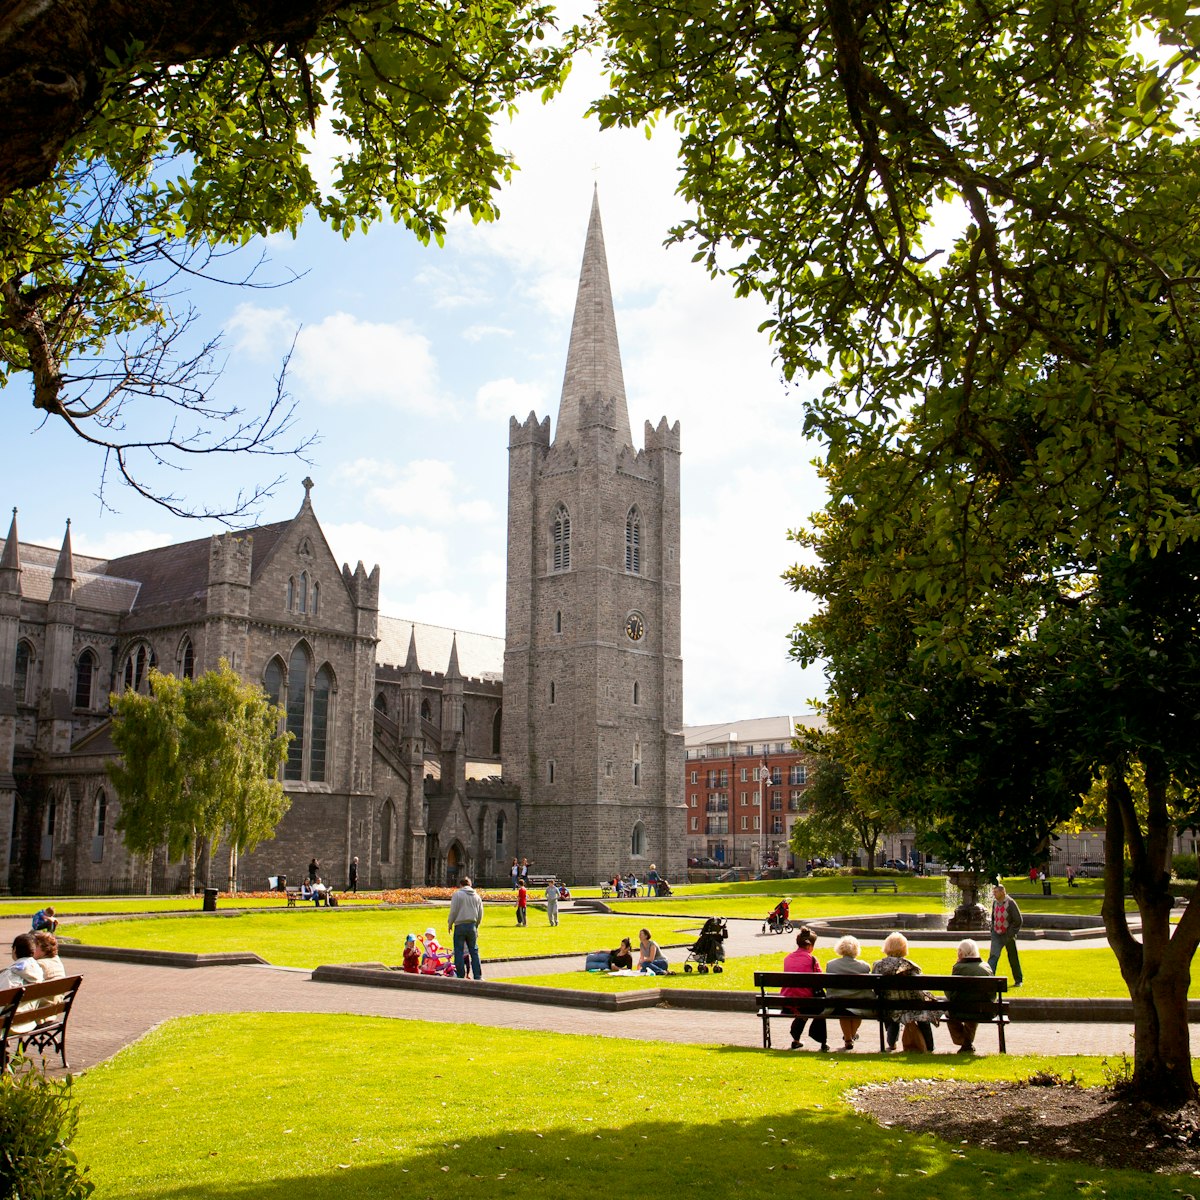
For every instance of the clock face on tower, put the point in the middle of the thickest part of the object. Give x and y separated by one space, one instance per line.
635 627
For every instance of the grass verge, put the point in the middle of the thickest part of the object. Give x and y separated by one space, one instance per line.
271 1107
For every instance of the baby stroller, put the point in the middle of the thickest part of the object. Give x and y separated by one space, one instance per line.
708 950
778 919
436 959
664 888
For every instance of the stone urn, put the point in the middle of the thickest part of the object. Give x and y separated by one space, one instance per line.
970 916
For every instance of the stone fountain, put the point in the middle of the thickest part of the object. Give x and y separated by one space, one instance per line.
970 915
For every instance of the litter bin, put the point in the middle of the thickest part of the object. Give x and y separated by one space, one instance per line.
210 899
1045 887
282 886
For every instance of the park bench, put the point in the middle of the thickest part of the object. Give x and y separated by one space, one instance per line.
875 885
293 894
982 995
43 1027
542 881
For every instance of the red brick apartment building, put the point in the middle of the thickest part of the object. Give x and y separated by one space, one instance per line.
744 785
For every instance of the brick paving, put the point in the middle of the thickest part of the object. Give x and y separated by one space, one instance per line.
119 1002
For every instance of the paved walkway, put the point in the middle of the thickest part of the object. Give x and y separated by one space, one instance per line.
120 1002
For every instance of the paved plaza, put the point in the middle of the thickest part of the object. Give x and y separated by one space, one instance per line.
120 1002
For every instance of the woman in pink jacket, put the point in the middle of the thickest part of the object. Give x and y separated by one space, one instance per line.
802 960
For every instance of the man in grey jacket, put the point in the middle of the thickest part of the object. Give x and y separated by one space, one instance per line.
1006 924
466 915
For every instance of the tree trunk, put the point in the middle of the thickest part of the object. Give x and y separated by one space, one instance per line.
233 868
192 863
1156 968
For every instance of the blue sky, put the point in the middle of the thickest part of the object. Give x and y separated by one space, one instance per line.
409 362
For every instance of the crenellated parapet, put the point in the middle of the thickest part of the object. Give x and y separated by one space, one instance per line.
636 464
530 432
363 588
598 411
561 457
662 437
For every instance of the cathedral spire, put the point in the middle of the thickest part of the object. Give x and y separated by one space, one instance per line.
10 561
64 570
452 671
411 665
594 357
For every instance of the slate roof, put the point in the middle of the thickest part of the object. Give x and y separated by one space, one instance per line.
95 589
180 572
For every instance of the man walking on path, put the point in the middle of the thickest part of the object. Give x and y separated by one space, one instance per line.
354 874
466 915
1006 924
552 902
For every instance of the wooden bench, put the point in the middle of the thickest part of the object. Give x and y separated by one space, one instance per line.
981 996
293 894
40 1028
875 885
541 881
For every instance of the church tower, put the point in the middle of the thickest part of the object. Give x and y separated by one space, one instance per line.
593 679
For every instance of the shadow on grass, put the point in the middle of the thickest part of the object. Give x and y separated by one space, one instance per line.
805 1152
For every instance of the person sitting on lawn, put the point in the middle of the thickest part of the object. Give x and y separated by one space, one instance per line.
45 950
621 959
412 956
45 919
652 961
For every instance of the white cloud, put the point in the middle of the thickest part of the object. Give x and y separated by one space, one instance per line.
477 333
261 332
403 553
347 360
422 490
499 399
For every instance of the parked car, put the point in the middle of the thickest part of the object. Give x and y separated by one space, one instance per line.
898 864
705 864
1090 869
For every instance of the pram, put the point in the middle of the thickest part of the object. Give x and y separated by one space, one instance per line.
778 919
708 950
663 888
436 959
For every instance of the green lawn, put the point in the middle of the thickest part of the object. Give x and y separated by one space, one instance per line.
308 937
275 1107
1055 974
90 906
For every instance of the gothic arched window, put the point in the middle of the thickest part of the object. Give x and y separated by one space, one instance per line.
138 662
21 673
496 732
386 818
633 542
562 538
273 680
637 844
316 597
297 701
291 593
500 830
381 703
85 672
302 592
321 699
187 659
426 711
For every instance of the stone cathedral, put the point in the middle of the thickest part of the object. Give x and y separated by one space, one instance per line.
424 752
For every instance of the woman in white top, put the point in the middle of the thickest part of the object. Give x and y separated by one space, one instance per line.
24 967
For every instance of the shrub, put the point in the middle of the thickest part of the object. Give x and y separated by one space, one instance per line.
1185 866
37 1121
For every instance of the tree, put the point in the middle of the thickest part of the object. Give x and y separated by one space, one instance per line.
138 143
839 821
1009 425
199 765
